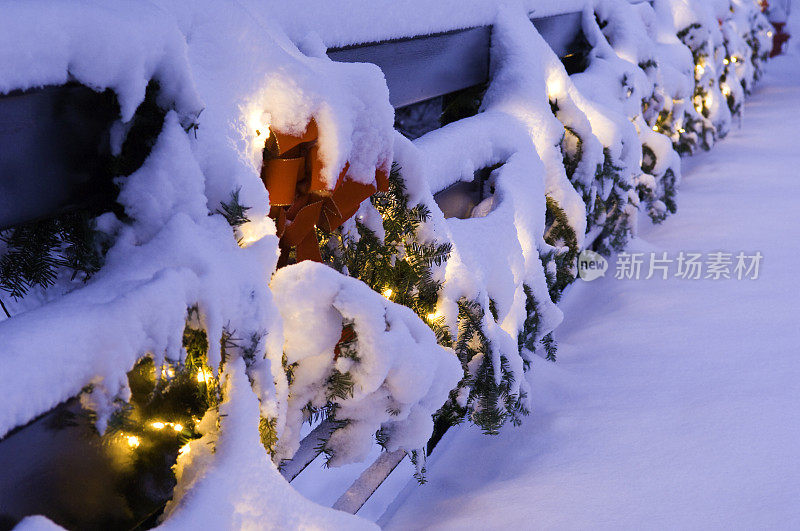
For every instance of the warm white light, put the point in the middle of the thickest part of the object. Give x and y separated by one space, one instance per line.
133 441
655 128
167 372
177 427
259 125
725 61
681 130
201 376
699 69
158 425
184 449
555 88
433 316
387 292
726 91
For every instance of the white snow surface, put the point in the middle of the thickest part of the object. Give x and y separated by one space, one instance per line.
237 486
674 402
120 45
400 379
354 21
173 257
252 77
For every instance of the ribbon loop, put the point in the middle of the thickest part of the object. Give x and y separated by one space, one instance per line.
301 200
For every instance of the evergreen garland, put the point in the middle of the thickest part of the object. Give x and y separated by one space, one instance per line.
699 122
611 212
399 262
399 266
685 138
571 146
729 79
527 339
36 251
605 199
660 200
572 152
561 236
462 104
478 396
162 415
759 25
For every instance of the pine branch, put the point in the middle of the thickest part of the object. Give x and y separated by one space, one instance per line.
233 211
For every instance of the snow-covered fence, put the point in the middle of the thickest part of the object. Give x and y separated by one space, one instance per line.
424 67
575 133
635 49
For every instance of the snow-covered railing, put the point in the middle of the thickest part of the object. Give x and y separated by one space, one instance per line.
417 69
409 82
427 66
443 309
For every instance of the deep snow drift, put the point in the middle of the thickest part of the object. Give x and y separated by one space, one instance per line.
686 415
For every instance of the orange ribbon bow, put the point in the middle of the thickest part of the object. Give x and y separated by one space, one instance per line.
299 196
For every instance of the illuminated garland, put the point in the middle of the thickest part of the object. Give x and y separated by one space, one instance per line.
399 266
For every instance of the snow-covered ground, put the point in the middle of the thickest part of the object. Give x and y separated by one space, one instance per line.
674 403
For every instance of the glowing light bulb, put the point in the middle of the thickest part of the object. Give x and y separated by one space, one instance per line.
699 69
725 61
177 427
655 128
681 130
433 316
387 292
259 125
167 372
769 34
555 88
735 59
184 449
726 91
201 376
158 425
133 441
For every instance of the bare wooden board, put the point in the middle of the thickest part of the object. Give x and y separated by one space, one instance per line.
561 32
424 67
310 448
53 141
368 482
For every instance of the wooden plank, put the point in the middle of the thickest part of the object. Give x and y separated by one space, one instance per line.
561 32
310 448
368 482
53 142
428 66
425 67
